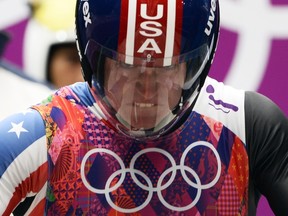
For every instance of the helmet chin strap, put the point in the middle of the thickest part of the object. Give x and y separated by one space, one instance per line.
181 103
185 113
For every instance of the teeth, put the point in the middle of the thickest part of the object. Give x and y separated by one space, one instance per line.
143 105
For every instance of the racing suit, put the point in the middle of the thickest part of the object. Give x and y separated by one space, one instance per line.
61 158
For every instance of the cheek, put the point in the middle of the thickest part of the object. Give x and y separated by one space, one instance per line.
174 97
175 92
59 66
114 89
55 68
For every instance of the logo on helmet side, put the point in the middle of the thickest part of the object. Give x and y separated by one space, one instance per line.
211 18
86 13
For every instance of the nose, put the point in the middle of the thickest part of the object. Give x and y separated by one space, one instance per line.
147 84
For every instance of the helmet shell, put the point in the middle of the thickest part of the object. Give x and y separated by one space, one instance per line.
166 31
52 23
179 27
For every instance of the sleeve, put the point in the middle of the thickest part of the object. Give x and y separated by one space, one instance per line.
23 160
267 143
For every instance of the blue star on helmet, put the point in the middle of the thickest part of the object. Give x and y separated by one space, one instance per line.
17 128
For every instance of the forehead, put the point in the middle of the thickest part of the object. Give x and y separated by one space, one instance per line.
144 64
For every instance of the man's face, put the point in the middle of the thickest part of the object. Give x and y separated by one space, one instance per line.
65 67
143 96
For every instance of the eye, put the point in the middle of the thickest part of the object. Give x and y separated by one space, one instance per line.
170 68
125 66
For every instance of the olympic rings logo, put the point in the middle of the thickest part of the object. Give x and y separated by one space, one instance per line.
149 187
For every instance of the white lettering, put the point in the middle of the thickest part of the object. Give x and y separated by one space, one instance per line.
211 18
150 29
155 31
144 12
86 13
149 44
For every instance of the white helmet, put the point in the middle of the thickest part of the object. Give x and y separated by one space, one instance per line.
52 23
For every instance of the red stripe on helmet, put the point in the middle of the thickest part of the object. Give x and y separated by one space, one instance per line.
178 29
123 29
146 33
